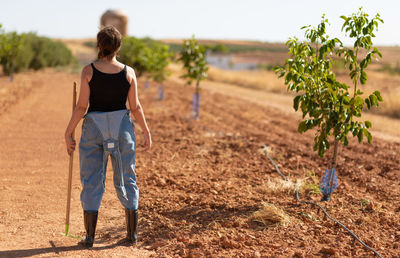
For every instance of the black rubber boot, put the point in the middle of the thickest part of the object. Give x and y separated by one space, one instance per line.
90 221
131 217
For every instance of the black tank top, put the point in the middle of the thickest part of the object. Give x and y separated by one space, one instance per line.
108 91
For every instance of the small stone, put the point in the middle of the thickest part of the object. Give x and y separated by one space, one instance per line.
161 182
369 167
228 244
257 254
158 244
369 243
298 254
183 239
213 191
183 252
328 250
370 206
248 243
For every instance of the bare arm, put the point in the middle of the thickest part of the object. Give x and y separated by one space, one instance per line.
136 108
80 108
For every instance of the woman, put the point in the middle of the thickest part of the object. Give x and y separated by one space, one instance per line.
108 130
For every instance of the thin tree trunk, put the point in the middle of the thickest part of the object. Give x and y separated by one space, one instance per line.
334 156
197 101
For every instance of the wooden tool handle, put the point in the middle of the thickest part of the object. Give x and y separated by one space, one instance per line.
71 161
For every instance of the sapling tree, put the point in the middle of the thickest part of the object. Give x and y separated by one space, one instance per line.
132 53
193 57
157 59
332 107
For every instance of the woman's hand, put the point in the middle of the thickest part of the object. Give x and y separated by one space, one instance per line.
147 141
70 144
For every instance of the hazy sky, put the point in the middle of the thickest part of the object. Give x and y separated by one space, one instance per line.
263 20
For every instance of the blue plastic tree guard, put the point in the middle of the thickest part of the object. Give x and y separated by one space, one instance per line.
195 109
160 92
328 184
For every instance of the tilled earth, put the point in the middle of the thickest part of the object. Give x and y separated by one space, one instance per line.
199 185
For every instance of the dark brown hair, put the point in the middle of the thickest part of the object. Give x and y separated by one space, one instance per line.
108 41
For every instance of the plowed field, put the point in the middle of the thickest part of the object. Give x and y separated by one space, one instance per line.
200 184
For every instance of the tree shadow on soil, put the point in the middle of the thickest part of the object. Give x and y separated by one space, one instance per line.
202 218
53 249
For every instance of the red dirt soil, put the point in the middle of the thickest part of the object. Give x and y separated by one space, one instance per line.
199 185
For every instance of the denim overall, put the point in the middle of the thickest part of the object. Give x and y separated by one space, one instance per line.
108 134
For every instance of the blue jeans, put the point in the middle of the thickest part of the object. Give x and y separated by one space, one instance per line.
104 134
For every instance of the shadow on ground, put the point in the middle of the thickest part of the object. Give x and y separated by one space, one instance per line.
54 249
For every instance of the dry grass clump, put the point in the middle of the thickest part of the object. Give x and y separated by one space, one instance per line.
279 186
270 215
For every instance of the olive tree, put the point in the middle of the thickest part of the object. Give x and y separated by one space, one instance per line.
193 57
332 107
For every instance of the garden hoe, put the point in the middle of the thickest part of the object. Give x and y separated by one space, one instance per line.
71 160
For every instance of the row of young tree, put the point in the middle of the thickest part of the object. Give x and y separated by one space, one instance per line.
151 58
328 105
23 51
332 107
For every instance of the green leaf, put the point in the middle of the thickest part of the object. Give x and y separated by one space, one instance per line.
359 101
368 124
353 74
363 63
368 103
296 102
363 77
368 135
321 151
360 135
376 51
373 99
345 141
378 95
302 127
